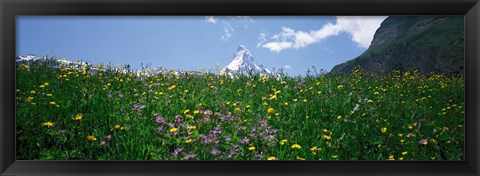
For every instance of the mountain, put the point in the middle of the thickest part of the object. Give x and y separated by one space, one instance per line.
31 58
243 64
406 43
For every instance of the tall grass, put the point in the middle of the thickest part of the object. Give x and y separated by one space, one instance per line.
66 113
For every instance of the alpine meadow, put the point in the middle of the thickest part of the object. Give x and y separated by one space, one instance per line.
402 99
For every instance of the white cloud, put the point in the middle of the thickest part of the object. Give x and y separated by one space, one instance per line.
286 66
360 28
262 37
211 19
227 31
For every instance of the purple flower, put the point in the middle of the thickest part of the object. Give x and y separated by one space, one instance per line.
423 141
262 122
218 114
170 124
251 134
232 152
208 112
135 106
267 138
261 133
120 95
103 144
215 151
254 129
160 128
191 155
243 128
228 138
178 119
216 141
108 138
177 151
109 95
244 140
409 134
167 84
160 120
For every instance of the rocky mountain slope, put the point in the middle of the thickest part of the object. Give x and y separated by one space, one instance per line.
426 43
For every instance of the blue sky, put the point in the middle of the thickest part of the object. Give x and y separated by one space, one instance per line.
294 43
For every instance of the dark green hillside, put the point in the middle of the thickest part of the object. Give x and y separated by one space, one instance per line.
424 43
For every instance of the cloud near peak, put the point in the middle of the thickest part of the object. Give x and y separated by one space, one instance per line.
361 30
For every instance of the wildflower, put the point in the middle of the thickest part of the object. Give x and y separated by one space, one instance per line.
32 92
120 95
391 157
339 117
369 101
53 103
244 140
103 144
192 127
117 127
271 158
340 86
48 124
188 156
171 87
286 103
400 135
159 120
108 138
78 117
173 130
49 95
404 153
400 158
177 151
29 99
270 110
384 130
296 146
376 93
41 86
251 148
186 111
91 138
188 141
327 137
423 141
215 151
313 148
335 156
410 127
299 158
282 142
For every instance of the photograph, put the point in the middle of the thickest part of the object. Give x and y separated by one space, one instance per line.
240 88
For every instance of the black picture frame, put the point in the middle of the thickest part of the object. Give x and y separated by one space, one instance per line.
10 8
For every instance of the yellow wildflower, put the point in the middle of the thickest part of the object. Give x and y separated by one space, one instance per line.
384 130
173 130
196 112
49 95
282 142
296 146
186 111
49 124
369 101
79 116
91 138
270 110
251 148
404 153
117 127
53 103
271 158
188 141
339 117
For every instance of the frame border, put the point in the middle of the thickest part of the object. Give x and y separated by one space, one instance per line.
10 8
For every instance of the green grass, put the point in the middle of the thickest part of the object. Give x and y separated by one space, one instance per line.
317 113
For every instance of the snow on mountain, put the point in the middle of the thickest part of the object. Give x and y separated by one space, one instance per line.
243 64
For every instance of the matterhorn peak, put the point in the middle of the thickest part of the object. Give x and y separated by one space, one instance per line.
242 63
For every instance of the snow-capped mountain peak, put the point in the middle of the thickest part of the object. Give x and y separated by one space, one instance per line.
243 63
